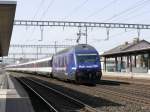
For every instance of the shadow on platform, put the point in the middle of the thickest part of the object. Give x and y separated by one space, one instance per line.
93 101
112 83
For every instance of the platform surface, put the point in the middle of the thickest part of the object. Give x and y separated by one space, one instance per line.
13 98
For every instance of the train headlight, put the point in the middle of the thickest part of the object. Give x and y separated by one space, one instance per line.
73 68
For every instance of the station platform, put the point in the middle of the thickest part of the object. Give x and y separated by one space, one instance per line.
127 75
13 98
138 78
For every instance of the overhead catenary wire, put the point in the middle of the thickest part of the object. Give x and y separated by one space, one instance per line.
77 8
137 4
128 9
42 16
46 11
49 5
101 9
134 16
36 13
38 9
133 11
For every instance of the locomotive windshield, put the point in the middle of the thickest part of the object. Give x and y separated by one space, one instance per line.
87 58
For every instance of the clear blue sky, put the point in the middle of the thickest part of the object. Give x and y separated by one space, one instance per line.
124 11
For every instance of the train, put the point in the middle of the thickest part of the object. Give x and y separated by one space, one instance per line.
80 63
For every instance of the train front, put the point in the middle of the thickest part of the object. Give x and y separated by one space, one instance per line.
88 64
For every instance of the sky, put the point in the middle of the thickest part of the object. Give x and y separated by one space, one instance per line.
114 11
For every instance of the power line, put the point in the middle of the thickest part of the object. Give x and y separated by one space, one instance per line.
49 5
77 8
134 10
137 15
42 16
137 4
142 4
101 9
38 9
132 17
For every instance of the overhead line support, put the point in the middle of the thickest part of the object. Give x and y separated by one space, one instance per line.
40 46
80 24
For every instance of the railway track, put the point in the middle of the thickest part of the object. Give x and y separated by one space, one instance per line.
126 97
56 100
139 86
129 90
108 100
132 93
117 93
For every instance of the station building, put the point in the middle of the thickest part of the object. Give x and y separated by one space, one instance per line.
129 57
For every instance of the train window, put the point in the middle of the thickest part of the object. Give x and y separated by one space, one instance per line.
59 61
45 64
86 58
32 64
62 63
66 62
71 59
49 63
55 61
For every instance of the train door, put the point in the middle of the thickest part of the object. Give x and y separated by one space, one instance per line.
71 65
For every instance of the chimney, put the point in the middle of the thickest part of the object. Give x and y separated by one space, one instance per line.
136 40
126 43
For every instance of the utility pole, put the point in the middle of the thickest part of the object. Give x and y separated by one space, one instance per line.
42 29
79 36
37 52
2 61
82 34
55 46
86 36
14 58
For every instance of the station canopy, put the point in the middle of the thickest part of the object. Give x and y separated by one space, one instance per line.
7 14
135 47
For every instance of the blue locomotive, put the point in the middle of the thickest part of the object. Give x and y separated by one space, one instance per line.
80 63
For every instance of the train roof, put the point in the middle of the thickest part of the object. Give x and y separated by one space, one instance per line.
30 62
76 47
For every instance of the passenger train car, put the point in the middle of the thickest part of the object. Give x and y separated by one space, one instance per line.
42 66
80 63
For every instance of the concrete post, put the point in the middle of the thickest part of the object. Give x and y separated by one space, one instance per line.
116 64
135 61
105 64
130 63
121 63
127 61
